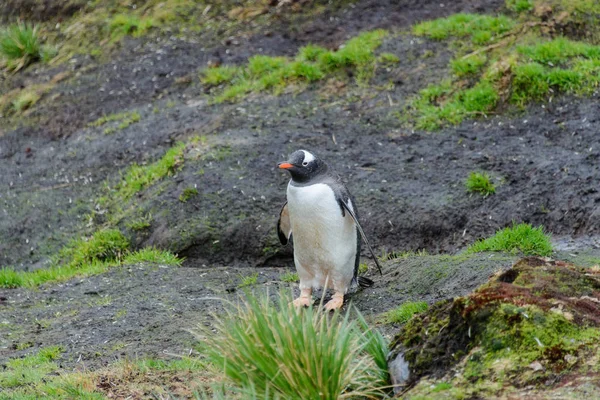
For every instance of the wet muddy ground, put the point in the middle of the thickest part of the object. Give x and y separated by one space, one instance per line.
409 185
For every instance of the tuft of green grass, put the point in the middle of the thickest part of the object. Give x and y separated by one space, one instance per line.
20 44
283 352
480 28
517 238
312 63
85 257
559 50
519 5
403 313
104 245
480 182
128 24
187 194
249 280
388 58
153 255
289 277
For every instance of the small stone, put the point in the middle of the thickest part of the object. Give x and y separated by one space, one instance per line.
536 366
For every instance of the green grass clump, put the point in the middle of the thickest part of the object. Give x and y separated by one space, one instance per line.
522 237
104 245
20 44
128 24
30 369
105 249
519 5
403 313
559 50
249 280
187 194
440 104
283 352
480 182
312 63
153 255
289 277
480 28
139 177
140 223
467 66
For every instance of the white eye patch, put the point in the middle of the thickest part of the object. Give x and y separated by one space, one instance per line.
308 157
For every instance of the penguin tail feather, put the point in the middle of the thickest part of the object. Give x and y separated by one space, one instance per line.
365 282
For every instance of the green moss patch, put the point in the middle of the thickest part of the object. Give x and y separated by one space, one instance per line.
503 62
536 321
312 63
523 238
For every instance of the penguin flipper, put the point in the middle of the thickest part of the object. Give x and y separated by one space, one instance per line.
362 233
284 227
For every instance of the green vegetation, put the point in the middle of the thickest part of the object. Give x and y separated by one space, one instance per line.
507 335
140 223
140 177
126 24
25 100
20 45
282 352
187 194
480 29
153 255
522 237
30 369
480 182
105 249
403 313
506 62
37 376
289 277
249 280
313 63
125 119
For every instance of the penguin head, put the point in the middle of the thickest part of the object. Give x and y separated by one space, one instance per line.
303 166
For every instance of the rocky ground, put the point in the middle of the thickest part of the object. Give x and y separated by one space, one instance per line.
57 174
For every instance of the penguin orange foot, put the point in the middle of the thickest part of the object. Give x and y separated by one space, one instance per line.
336 302
305 299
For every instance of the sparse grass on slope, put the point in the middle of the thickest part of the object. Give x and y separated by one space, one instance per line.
522 237
296 354
500 61
85 257
312 63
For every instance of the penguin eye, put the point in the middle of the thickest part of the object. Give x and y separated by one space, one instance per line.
305 163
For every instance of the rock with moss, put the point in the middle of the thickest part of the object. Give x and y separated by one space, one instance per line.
532 330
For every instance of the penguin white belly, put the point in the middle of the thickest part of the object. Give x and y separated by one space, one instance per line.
324 240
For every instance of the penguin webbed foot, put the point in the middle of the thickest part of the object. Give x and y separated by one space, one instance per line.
305 299
336 302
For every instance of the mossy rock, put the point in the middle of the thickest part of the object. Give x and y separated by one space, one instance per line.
532 329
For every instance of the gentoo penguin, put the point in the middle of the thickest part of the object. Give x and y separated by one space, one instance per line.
322 217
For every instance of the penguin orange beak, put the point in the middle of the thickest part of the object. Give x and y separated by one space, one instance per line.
285 165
